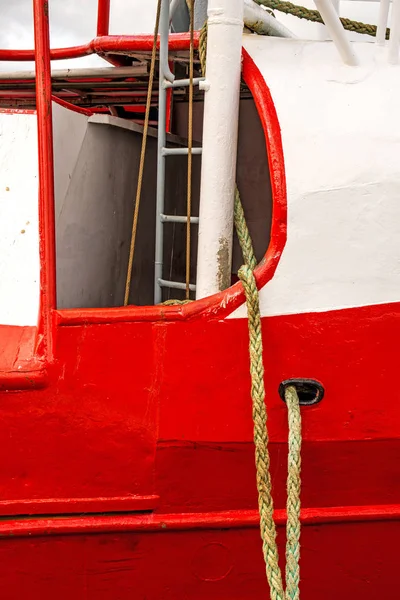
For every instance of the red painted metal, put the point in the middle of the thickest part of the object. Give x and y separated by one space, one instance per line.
126 425
60 506
167 523
102 44
103 17
218 565
140 43
78 109
46 176
56 54
168 119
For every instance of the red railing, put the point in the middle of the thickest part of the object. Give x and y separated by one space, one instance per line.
103 17
46 174
43 55
230 299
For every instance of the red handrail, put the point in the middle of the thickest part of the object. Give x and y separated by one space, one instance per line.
46 174
56 54
103 44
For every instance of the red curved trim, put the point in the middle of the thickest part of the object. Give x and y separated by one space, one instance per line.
69 106
103 17
223 303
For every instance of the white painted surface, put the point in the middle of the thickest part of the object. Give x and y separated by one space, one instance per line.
394 40
341 140
19 240
19 193
221 115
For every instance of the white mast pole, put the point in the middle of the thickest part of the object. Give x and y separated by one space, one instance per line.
218 172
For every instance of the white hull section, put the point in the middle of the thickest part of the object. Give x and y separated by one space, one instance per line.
341 141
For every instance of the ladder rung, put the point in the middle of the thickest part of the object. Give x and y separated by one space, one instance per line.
182 82
177 219
176 285
180 151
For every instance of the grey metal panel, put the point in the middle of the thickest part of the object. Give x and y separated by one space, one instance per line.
180 18
200 13
93 227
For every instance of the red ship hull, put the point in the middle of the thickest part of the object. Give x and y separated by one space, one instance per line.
127 437
134 467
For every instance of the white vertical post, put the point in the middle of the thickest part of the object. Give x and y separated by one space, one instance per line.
218 172
394 33
336 6
382 22
336 31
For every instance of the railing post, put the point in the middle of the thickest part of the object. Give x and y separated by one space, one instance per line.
220 132
336 31
46 171
103 17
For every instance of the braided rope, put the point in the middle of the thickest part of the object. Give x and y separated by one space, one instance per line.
265 502
262 459
203 48
176 302
246 244
313 15
293 496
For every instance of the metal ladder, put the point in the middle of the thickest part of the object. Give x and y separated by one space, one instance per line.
167 81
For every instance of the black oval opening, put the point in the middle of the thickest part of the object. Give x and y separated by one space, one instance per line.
309 391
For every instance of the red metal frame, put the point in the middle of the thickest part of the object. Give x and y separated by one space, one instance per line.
103 17
220 304
46 174
83 111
